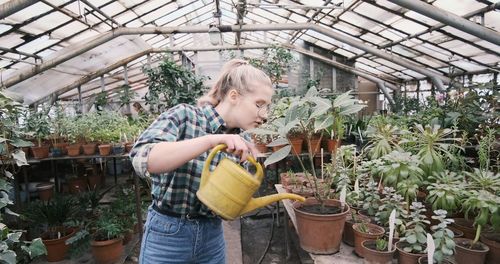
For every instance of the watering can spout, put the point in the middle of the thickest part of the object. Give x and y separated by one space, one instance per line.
255 203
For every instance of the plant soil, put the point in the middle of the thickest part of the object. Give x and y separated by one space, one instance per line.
316 209
469 245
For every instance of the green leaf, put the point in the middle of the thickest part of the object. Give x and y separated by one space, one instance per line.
352 109
278 155
20 158
411 239
322 123
278 142
14 237
8 256
37 248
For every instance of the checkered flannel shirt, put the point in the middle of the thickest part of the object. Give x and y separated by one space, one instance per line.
175 191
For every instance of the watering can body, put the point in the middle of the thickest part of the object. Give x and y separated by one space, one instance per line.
228 190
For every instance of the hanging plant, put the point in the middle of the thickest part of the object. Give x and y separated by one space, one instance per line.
171 84
274 62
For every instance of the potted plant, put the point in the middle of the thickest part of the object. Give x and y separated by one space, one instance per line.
444 245
364 232
38 125
391 201
413 243
53 216
401 171
107 244
377 252
311 114
486 205
383 138
446 191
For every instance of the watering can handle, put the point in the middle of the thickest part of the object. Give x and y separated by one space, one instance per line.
206 168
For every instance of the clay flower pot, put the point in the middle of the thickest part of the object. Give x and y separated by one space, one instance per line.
466 255
407 257
106 252
374 232
373 256
492 240
104 149
45 191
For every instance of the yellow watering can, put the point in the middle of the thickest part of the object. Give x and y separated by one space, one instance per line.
229 188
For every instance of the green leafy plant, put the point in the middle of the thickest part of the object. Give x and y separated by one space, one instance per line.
391 201
442 236
486 206
415 237
51 214
274 62
101 100
381 244
446 190
170 85
38 124
401 170
372 198
383 138
126 95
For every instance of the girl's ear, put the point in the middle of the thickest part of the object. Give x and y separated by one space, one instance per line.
233 95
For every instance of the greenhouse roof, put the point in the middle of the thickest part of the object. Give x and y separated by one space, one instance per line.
50 47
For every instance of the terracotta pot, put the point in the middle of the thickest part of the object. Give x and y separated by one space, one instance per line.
465 255
296 145
45 191
128 147
127 237
104 149
106 252
373 256
262 148
73 150
77 185
492 240
348 235
332 145
62 146
26 151
423 260
466 226
406 257
94 181
40 152
374 232
315 146
57 248
320 234
89 149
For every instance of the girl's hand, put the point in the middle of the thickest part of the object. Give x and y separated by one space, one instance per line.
235 145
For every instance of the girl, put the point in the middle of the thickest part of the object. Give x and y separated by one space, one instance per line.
172 151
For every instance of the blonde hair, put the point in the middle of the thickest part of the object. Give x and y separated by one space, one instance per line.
236 74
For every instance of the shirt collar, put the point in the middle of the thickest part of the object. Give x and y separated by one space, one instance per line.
217 124
214 119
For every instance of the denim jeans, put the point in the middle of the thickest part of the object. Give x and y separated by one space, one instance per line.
169 239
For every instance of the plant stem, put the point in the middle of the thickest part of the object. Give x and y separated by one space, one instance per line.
478 234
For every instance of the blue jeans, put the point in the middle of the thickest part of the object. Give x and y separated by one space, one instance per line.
169 239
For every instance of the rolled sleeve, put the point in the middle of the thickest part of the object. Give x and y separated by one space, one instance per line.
166 128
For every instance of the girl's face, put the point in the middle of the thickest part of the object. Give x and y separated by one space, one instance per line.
251 108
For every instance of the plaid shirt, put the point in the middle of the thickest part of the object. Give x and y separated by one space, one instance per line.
175 191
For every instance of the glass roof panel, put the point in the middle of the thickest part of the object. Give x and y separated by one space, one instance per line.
489 45
37 44
125 17
373 38
460 8
365 67
385 69
460 33
435 37
4 27
368 62
347 28
11 40
404 51
83 36
434 51
269 15
29 12
113 8
408 26
468 66
429 61
149 6
391 34
68 30
461 48
298 18
421 18
45 23
344 53
389 64
492 20
487 58
358 20
376 13
413 74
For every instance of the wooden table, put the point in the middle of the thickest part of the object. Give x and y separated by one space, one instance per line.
344 256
